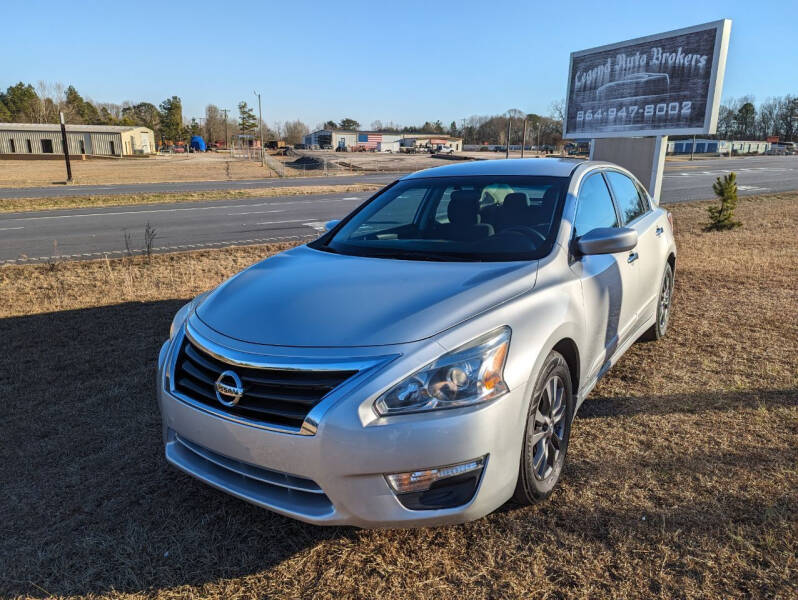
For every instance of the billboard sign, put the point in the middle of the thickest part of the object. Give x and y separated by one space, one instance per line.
664 84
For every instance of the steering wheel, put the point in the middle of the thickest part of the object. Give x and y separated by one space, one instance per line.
529 232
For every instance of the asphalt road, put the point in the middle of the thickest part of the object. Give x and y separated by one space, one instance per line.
686 181
60 191
96 232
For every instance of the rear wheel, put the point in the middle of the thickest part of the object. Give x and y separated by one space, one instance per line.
548 429
660 326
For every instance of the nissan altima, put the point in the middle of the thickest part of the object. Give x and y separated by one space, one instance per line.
422 361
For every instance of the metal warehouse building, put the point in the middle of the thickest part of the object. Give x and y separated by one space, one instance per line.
95 140
378 140
717 146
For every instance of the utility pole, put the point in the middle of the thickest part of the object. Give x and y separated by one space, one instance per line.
523 142
538 143
226 136
692 148
260 121
66 149
507 149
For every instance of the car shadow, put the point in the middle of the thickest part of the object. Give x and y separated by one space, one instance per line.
90 506
89 503
600 406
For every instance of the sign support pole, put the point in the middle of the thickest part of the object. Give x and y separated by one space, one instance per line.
66 149
658 167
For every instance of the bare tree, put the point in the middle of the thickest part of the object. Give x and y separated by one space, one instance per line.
295 132
214 123
557 110
150 233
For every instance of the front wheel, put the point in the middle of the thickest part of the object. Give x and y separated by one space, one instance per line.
660 326
548 429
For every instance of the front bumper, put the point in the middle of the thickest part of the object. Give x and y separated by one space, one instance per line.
337 475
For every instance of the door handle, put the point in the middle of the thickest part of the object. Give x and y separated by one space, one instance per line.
660 231
633 256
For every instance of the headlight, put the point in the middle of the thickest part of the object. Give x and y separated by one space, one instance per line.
183 314
470 374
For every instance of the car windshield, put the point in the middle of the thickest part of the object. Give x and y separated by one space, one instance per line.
477 218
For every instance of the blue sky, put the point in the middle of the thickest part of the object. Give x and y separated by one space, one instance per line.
406 62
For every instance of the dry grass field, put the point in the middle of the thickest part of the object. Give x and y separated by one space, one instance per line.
190 167
681 481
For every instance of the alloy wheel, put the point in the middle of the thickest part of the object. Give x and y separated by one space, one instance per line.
665 301
549 428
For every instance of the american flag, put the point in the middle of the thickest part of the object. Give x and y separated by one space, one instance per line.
369 140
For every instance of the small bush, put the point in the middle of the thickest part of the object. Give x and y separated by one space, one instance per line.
722 217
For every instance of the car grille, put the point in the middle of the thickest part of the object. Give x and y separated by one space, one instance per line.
271 396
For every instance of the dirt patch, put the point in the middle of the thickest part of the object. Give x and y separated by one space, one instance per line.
192 167
51 203
680 480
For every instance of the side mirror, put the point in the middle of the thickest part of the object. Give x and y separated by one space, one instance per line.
330 225
607 240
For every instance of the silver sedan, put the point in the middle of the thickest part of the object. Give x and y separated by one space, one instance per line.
422 361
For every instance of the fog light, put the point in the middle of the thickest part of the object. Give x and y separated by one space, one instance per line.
442 487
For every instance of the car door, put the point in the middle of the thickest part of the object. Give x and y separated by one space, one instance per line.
604 278
646 263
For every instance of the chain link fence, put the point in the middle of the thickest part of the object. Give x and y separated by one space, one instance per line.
295 164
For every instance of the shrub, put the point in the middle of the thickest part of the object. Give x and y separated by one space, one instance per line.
722 217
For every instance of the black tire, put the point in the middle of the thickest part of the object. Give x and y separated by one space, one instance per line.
545 432
660 327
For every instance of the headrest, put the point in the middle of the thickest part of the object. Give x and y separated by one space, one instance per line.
464 207
515 202
550 197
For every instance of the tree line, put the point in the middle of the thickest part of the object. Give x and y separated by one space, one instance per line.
742 118
477 129
24 103
738 118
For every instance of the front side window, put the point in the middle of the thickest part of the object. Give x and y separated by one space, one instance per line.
595 207
630 204
468 218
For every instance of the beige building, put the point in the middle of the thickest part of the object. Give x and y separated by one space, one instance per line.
92 140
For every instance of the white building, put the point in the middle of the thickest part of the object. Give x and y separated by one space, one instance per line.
377 140
20 139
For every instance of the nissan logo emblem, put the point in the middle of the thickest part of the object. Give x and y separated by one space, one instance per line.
229 388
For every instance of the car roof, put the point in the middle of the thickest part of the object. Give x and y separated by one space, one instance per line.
552 167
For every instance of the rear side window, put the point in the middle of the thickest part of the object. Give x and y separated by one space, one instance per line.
630 204
595 208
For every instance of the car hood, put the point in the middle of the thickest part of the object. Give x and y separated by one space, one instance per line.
310 298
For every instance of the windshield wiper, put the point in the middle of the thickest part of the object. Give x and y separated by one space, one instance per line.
422 255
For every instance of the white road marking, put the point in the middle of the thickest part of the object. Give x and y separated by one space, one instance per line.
717 172
10 228
276 222
317 225
351 198
752 188
255 212
161 210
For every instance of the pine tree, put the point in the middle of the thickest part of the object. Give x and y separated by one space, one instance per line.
247 120
349 124
172 119
22 102
5 114
722 217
